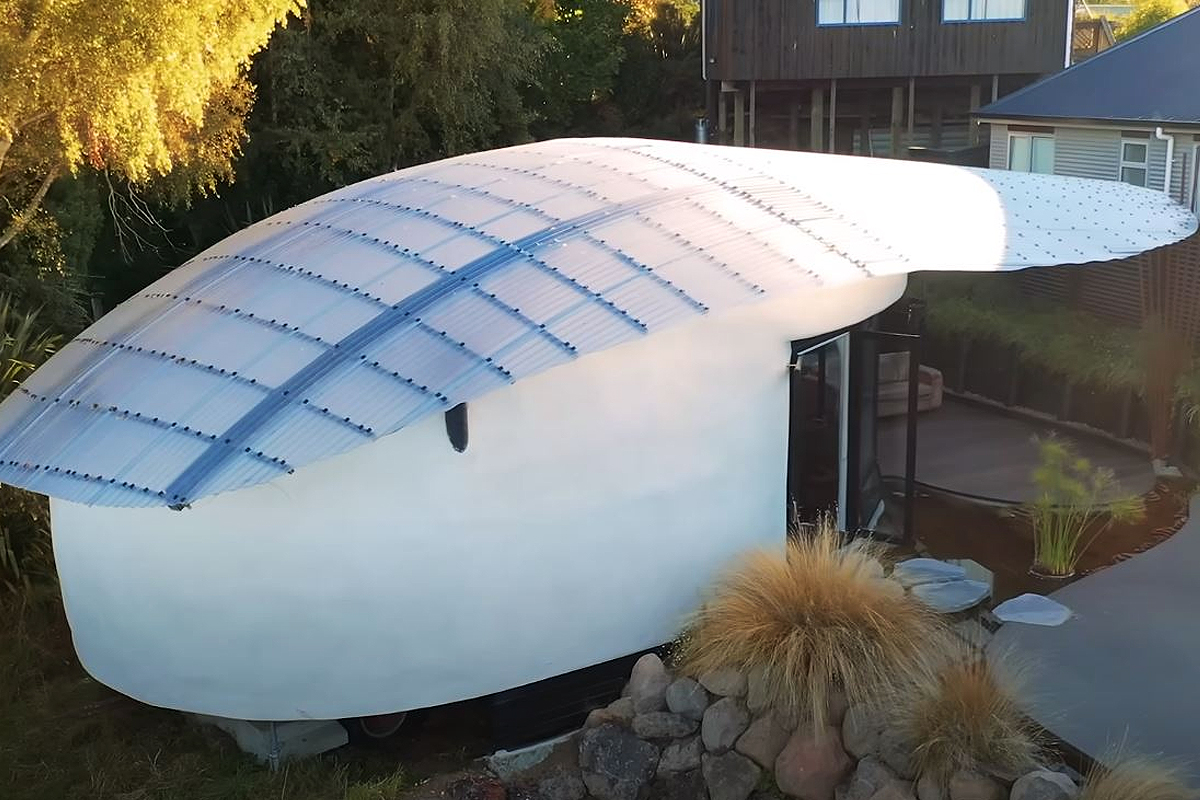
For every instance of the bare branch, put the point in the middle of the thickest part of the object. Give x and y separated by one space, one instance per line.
26 214
129 212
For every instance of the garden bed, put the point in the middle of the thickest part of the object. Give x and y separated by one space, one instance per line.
1000 538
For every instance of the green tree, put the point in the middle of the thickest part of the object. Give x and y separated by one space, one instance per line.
136 87
360 87
588 44
1149 13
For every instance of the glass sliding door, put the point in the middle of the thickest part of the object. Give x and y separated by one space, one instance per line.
818 431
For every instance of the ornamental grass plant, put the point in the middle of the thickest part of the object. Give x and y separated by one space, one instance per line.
813 620
1076 502
1137 779
966 715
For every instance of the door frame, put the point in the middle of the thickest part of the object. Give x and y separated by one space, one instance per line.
852 339
844 341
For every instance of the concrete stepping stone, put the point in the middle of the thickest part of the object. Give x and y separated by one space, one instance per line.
1032 609
918 571
950 597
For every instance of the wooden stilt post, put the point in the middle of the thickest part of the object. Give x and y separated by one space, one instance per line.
897 122
865 133
974 128
912 111
753 111
995 88
722 117
935 125
833 116
794 123
817 119
739 118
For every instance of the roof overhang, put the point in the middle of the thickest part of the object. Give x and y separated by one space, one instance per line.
355 314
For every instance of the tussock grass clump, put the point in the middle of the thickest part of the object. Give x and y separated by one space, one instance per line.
964 715
1136 779
812 621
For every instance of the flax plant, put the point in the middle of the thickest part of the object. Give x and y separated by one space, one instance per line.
1070 511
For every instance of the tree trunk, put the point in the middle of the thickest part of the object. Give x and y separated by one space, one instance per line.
26 214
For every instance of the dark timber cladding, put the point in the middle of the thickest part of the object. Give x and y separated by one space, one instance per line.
780 40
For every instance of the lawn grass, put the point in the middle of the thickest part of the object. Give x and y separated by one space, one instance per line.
63 736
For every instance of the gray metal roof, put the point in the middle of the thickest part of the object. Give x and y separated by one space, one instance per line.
1152 78
355 314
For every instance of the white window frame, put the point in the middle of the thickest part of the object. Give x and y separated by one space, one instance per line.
982 15
846 5
1142 165
1031 136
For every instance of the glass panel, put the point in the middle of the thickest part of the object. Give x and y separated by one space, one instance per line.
953 10
1132 151
1134 175
816 450
1042 159
867 11
831 12
1019 153
999 9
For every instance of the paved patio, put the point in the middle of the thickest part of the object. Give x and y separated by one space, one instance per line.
971 449
1122 672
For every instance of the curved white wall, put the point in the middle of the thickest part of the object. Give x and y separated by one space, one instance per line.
593 505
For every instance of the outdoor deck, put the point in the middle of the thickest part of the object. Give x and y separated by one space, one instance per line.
974 450
1121 673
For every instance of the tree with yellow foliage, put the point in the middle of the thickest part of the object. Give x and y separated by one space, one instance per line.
140 88
1149 13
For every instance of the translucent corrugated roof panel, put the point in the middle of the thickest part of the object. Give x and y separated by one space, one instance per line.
355 314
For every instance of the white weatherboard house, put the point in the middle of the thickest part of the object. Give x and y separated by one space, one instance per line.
259 514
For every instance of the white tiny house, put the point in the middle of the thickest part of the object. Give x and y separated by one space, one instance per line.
259 514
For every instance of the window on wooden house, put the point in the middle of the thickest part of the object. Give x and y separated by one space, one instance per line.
1028 152
982 10
858 12
1135 153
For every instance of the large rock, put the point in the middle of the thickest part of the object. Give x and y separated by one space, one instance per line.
619 712
897 752
1032 609
562 784
663 725
726 682
896 790
681 756
861 729
951 597
724 721
616 764
687 697
967 785
812 764
648 684
920 571
930 788
870 776
763 740
1044 784
836 707
758 694
730 776
477 787
680 786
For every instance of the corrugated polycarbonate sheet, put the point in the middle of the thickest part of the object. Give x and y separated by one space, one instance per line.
355 314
